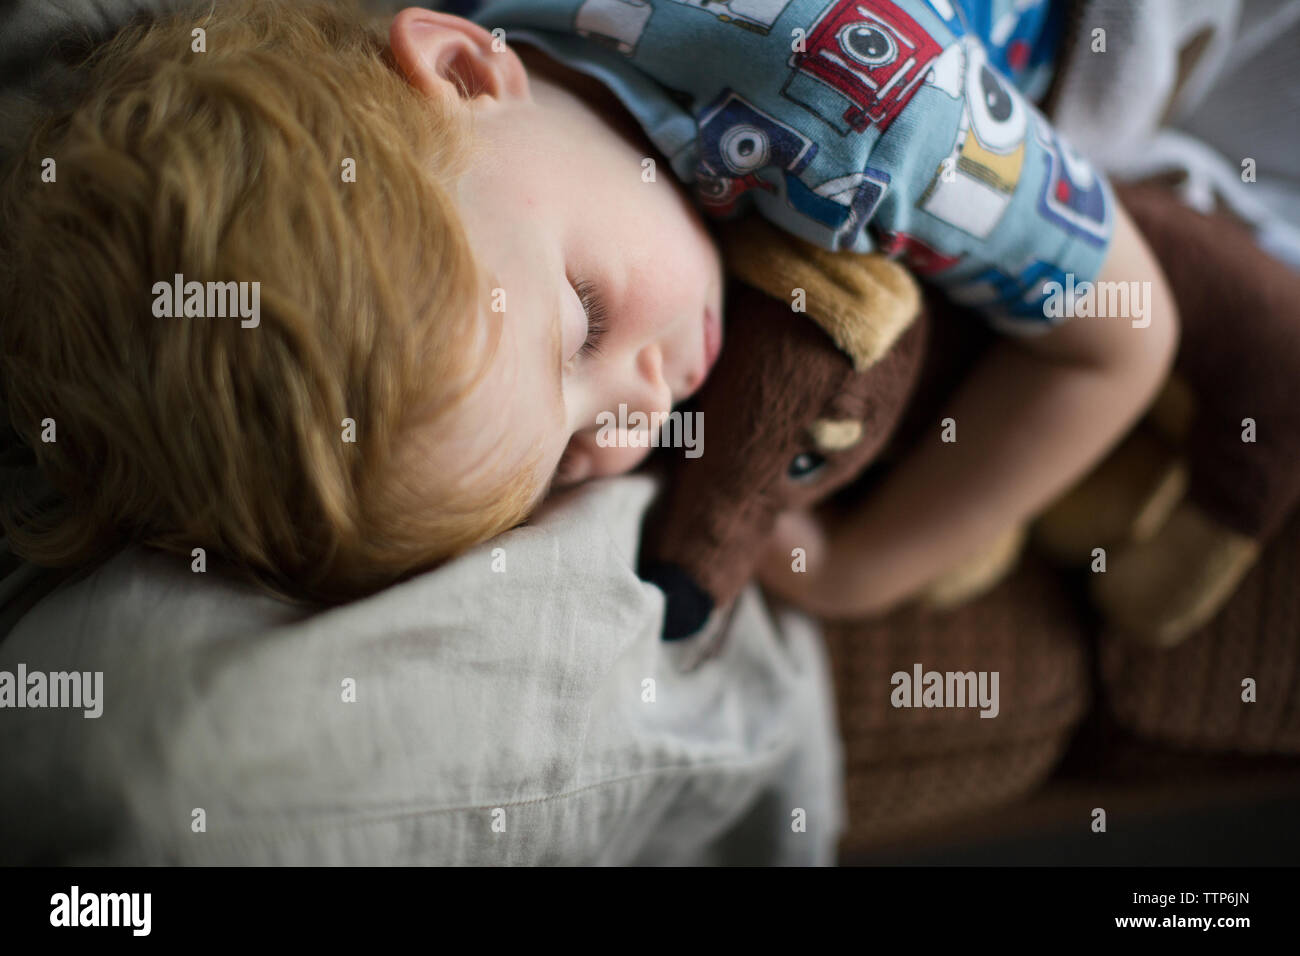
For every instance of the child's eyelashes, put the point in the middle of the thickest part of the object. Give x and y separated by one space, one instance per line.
596 316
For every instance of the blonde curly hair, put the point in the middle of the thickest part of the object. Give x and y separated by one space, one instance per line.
226 165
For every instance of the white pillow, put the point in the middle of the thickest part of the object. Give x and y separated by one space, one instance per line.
528 715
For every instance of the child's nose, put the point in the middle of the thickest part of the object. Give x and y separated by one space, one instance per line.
653 391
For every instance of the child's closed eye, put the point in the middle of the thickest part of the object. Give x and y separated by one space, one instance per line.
596 316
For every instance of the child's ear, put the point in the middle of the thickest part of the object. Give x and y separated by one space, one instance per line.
445 55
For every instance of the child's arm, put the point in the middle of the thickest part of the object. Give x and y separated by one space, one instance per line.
1035 414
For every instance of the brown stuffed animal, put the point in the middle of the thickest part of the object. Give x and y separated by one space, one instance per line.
791 420
801 409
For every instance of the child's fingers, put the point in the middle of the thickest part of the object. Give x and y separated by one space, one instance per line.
792 562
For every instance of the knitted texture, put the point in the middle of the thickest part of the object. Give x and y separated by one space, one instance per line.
1190 696
907 768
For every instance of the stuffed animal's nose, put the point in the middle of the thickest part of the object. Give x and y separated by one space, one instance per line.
687 605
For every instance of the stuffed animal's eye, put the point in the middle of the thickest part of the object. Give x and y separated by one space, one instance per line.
805 465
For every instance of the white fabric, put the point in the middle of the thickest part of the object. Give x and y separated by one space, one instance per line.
475 690
1241 100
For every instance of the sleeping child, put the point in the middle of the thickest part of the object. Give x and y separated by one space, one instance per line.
473 236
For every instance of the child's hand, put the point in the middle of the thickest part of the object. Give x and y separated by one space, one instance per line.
794 560
800 565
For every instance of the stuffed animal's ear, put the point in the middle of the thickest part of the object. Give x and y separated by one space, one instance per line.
863 301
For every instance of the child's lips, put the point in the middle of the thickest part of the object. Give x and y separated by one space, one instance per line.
712 339
712 346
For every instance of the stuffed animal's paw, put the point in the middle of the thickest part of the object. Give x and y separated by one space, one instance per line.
1127 498
1160 590
977 574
